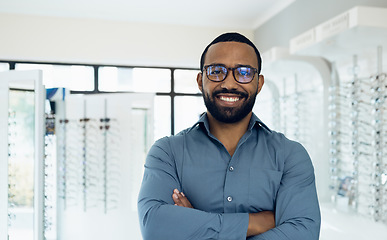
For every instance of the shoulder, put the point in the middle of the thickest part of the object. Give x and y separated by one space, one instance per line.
160 149
289 152
279 141
168 144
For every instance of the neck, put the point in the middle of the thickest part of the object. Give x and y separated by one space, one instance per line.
229 134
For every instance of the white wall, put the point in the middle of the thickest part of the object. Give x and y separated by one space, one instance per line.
59 39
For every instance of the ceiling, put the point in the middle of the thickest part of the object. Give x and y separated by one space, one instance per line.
246 14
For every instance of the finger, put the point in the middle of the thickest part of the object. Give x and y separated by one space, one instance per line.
176 199
184 201
180 199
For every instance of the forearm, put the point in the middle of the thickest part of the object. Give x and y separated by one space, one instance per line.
260 223
161 219
297 212
297 229
166 221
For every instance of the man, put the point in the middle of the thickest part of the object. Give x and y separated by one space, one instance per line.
229 176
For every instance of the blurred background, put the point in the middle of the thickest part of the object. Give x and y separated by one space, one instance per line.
86 88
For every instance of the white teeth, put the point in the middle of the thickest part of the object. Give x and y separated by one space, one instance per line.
229 99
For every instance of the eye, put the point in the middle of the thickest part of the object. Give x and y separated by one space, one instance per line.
216 70
244 71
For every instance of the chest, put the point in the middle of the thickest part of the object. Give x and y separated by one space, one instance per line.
214 181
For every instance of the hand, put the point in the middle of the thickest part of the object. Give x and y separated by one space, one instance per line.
180 199
260 222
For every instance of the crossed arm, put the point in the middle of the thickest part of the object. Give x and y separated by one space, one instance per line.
297 213
160 219
258 222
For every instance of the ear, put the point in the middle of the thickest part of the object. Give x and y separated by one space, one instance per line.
261 81
199 80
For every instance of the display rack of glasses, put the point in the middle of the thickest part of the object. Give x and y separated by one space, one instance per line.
358 139
50 192
276 113
11 174
22 165
290 108
111 165
296 109
334 135
89 166
357 115
102 141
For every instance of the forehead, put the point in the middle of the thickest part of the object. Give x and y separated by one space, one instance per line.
231 53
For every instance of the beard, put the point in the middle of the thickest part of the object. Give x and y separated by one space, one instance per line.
229 114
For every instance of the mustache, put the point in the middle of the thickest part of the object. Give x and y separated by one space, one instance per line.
242 94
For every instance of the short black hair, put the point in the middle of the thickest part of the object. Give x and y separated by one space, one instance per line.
231 37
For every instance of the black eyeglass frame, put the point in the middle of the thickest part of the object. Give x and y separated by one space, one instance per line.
233 72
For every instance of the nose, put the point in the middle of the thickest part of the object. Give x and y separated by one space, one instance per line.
229 82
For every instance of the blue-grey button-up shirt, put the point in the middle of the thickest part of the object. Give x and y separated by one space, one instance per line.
266 172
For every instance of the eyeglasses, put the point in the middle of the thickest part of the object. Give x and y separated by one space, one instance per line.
218 72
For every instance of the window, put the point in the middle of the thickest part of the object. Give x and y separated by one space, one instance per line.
134 79
4 67
185 81
169 85
187 111
162 117
73 77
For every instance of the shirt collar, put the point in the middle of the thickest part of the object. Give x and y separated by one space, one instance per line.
254 121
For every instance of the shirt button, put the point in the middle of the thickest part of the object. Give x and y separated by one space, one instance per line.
229 199
231 169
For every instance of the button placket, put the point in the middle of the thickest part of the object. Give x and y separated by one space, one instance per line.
230 177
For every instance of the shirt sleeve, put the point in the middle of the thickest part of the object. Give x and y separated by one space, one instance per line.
297 212
161 219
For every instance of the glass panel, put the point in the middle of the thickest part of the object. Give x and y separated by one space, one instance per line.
21 165
151 80
115 79
134 79
185 81
4 67
79 78
162 117
187 111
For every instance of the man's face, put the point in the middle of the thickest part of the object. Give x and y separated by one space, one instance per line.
229 101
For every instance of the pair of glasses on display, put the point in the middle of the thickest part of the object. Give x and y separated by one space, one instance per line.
219 72
379 77
347 132
360 143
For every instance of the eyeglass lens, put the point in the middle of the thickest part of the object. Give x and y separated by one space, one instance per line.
219 73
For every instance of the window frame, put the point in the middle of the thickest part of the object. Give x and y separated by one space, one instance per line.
172 94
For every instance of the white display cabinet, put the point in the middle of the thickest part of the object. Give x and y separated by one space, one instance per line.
22 155
102 144
355 42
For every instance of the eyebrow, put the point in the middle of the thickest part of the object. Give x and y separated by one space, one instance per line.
237 65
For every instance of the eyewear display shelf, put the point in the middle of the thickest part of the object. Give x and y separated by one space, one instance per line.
356 43
102 141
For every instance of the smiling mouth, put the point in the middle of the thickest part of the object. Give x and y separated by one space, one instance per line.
229 99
